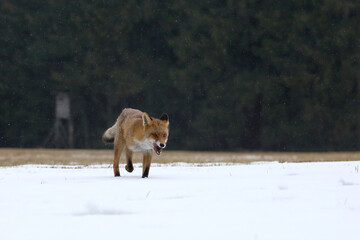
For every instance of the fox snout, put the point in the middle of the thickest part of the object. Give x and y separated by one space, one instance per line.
158 147
160 144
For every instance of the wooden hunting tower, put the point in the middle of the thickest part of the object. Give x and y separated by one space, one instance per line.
61 135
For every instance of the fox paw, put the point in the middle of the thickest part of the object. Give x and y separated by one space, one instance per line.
129 168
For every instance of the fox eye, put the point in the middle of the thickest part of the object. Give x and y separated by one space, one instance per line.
154 135
164 135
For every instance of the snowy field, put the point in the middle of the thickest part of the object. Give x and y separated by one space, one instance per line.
240 201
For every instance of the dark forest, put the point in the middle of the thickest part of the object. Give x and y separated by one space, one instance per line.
232 75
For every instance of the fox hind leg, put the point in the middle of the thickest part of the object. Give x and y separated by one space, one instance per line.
118 148
129 165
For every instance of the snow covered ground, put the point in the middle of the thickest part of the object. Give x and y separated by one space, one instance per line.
257 201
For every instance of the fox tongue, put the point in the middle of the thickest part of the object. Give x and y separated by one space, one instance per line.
157 149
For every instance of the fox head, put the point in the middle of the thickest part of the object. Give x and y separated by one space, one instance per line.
156 131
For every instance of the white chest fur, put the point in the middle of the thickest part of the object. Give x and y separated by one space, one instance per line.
145 145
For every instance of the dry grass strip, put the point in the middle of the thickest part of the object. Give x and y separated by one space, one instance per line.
16 157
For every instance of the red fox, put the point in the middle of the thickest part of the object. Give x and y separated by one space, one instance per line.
136 131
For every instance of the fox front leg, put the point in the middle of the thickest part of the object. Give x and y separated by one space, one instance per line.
129 165
146 165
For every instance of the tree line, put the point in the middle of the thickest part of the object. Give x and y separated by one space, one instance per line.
232 75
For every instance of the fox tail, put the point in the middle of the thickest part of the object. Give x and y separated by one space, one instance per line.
109 135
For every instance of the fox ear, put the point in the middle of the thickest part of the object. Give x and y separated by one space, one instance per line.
164 117
147 121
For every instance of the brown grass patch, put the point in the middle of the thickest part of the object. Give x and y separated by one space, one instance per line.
15 157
